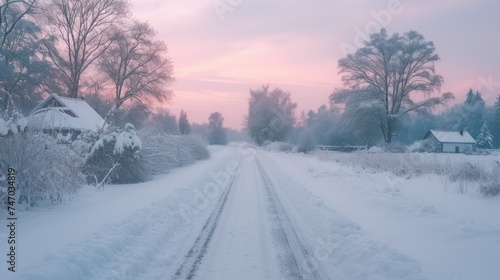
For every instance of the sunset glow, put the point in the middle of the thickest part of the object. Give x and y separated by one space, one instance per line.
219 55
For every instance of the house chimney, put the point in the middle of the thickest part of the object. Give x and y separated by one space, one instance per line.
461 132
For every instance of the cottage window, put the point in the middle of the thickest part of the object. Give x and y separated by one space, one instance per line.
69 112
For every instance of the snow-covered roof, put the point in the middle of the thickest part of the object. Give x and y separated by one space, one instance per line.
72 113
460 136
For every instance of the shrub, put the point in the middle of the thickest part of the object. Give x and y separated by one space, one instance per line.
115 159
490 189
45 171
467 171
395 148
162 152
278 147
492 186
425 146
306 142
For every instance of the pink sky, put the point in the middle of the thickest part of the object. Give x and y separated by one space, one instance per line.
219 56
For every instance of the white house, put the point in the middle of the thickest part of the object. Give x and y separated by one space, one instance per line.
452 141
64 115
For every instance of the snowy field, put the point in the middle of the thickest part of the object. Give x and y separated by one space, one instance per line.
251 214
449 228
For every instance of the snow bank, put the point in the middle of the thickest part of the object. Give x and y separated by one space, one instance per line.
120 243
375 150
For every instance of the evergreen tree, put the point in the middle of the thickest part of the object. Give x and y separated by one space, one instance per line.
184 126
472 113
484 139
478 98
470 99
497 112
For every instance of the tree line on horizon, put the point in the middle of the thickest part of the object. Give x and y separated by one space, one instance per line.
389 98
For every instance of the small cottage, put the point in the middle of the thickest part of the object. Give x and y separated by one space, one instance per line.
57 114
451 141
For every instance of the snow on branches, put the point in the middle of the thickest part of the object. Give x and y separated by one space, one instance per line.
114 158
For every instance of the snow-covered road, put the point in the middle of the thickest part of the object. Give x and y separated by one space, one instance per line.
243 214
248 235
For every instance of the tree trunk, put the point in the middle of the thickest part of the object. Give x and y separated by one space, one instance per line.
73 91
388 137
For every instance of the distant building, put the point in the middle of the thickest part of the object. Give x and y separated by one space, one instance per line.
57 114
452 141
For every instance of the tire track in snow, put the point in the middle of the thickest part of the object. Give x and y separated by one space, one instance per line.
136 247
195 255
298 261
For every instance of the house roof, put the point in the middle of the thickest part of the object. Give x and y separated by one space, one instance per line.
73 114
452 136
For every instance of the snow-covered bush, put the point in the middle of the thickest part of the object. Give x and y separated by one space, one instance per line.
424 146
468 172
306 142
115 159
162 152
492 185
45 171
490 188
395 148
13 124
278 147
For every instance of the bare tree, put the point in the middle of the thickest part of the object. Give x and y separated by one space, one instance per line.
184 126
394 69
79 33
138 66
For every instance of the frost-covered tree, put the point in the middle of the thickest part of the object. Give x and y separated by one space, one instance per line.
271 115
484 140
136 113
469 116
77 34
164 122
184 126
323 125
216 132
363 113
306 142
395 69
